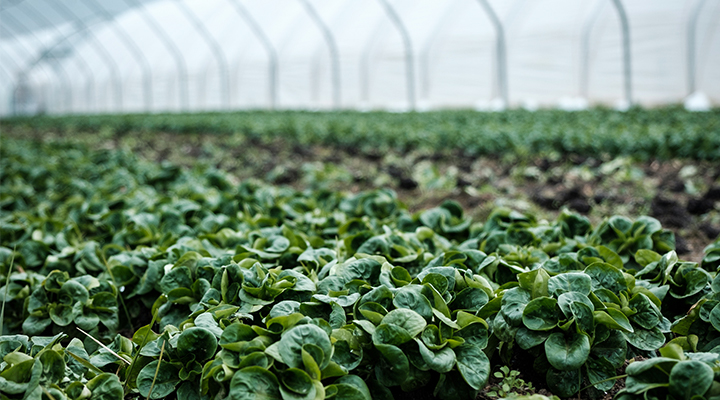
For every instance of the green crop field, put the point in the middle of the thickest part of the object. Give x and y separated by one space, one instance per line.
295 255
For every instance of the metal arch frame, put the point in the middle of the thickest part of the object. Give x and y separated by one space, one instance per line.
585 47
512 14
14 86
625 30
133 47
13 4
81 58
100 49
265 41
407 44
332 46
214 48
174 51
41 56
316 55
501 56
9 75
691 46
365 64
424 54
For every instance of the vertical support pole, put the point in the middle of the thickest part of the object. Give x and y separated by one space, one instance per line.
174 52
627 70
332 46
407 44
257 30
132 46
500 56
585 47
692 46
214 47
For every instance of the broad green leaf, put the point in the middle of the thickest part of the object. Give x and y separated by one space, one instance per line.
442 360
541 314
689 379
391 334
106 387
645 339
647 315
570 282
527 338
410 297
513 304
471 299
165 383
296 384
613 349
254 383
292 341
599 371
606 276
473 365
200 343
409 320
353 388
567 352
535 281
393 367
563 383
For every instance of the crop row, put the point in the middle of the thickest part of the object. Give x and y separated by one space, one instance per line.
643 133
199 288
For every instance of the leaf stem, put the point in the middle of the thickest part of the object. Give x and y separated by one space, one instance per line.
603 381
7 287
104 347
137 353
120 296
157 369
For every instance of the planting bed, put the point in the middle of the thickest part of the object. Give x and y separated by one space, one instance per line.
159 266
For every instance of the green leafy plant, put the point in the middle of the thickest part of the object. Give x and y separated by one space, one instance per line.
510 384
673 375
196 287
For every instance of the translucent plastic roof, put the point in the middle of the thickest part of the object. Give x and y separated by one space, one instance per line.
89 56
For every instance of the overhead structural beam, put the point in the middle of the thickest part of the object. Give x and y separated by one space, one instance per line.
112 64
44 53
214 47
407 45
257 30
132 46
627 67
692 46
588 25
365 65
500 52
175 52
332 46
424 56
81 60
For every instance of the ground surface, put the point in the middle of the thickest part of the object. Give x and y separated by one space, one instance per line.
683 194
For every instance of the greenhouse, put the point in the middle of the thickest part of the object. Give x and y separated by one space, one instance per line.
360 200
101 56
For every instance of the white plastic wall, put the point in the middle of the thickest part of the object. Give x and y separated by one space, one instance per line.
453 51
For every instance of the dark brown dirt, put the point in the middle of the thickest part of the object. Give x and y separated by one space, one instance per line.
681 194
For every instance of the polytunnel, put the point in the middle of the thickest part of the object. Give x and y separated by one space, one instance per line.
127 56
